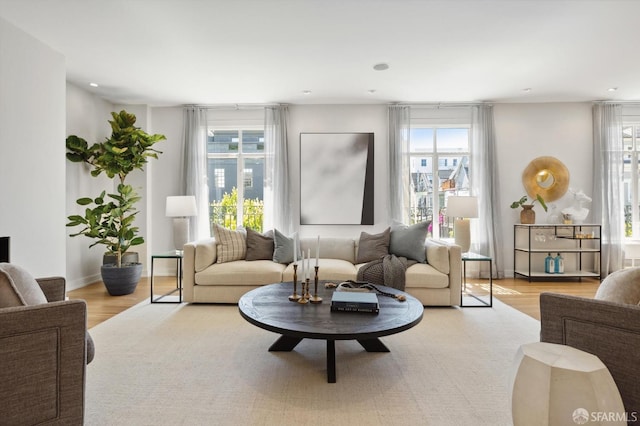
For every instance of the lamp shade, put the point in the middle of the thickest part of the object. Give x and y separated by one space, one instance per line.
459 206
181 206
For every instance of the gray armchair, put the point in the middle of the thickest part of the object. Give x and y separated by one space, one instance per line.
43 356
607 329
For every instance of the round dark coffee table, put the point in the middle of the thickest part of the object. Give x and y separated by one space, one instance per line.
268 307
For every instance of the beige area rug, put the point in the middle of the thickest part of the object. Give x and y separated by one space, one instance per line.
205 365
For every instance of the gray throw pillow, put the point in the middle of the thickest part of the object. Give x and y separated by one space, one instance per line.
259 246
409 241
18 287
373 246
283 248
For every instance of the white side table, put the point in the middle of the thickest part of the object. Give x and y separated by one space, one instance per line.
561 385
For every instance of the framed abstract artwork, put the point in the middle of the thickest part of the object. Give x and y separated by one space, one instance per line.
336 178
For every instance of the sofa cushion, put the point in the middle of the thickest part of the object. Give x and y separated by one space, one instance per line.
259 246
230 245
18 287
438 256
373 246
241 272
409 241
421 275
333 269
205 253
331 248
283 247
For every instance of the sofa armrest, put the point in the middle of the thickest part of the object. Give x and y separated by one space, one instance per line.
53 288
197 256
446 258
609 330
42 363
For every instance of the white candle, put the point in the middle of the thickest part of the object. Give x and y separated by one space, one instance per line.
295 250
302 270
308 263
318 250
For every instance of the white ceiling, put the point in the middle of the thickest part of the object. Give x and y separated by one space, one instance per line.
168 52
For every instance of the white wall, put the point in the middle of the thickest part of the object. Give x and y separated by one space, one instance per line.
528 131
87 116
32 154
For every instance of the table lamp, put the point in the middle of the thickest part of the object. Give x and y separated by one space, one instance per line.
462 209
180 207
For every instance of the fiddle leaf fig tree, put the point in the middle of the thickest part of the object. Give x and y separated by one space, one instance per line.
108 218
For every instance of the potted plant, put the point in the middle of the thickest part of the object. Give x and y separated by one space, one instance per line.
528 215
108 218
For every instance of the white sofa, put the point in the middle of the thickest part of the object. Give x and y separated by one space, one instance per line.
435 283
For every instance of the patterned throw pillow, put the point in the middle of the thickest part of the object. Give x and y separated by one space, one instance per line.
259 246
230 245
373 246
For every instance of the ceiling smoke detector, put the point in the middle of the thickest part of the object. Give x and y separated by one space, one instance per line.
381 66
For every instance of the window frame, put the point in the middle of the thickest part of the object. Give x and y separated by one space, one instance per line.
239 156
435 156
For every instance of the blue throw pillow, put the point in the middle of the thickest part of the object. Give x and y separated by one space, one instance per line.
408 241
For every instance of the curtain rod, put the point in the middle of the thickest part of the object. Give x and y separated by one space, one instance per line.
637 103
233 106
439 104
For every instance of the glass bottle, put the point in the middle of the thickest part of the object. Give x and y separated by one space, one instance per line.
559 264
549 264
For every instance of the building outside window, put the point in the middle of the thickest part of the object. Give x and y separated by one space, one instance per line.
233 156
439 167
631 144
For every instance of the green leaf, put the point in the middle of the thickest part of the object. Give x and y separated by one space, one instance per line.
84 201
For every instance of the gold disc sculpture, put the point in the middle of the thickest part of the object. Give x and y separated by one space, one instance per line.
547 177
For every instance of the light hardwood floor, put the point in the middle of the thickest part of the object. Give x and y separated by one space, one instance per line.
519 293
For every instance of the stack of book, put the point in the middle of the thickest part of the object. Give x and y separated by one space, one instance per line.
350 301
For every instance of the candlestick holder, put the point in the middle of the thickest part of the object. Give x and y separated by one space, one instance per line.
304 299
295 296
315 298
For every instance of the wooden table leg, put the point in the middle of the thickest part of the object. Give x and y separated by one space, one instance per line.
373 345
331 361
285 344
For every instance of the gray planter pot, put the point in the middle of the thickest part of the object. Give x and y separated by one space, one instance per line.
121 281
128 257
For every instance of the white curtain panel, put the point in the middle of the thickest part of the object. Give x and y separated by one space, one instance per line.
277 189
399 184
195 169
486 237
607 182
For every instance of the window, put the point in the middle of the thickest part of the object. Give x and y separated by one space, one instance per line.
234 156
449 149
631 144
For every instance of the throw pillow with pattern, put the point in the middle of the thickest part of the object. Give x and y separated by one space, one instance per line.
230 245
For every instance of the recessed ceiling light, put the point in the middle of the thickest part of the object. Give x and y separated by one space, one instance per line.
527 90
93 84
306 92
381 66
612 89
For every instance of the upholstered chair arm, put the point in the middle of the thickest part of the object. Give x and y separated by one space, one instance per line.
42 363
53 288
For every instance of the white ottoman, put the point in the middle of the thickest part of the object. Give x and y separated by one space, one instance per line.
561 385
